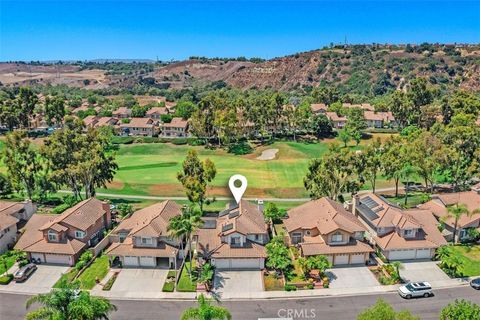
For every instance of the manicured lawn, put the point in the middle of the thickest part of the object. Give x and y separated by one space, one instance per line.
151 169
414 199
185 284
69 276
470 257
98 269
10 261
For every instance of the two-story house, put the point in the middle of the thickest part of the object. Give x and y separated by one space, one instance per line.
60 239
156 113
122 113
400 234
95 121
439 207
377 120
142 240
12 216
338 122
325 227
176 128
145 127
235 239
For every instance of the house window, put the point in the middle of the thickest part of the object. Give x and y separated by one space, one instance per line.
79 234
408 232
307 232
337 237
296 237
146 240
235 241
52 236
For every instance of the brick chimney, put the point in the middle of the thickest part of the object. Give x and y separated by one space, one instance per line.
355 202
106 207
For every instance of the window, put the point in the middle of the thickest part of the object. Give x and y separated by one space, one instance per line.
307 232
146 240
79 234
257 237
296 237
52 236
235 241
408 232
337 237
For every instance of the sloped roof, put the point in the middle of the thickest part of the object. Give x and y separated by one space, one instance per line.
176 123
318 107
139 123
159 110
126 248
324 214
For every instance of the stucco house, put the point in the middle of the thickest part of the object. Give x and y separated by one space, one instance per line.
122 113
143 127
176 128
12 216
156 113
439 207
376 120
325 227
338 122
317 108
61 239
399 234
235 239
142 240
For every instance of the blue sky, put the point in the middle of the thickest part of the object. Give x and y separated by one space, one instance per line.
50 30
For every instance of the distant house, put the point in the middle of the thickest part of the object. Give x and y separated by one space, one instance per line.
439 206
325 227
176 128
95 121
12 216
318 108
139 127
400 234
378 120
338 122
156 113
235 239
61 239
122 113
90 121
142 240
363 106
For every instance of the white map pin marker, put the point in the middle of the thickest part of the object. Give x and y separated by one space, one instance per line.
237 191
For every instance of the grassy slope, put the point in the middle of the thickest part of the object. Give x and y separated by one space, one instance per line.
470 257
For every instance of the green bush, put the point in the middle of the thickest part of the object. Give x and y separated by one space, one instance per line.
22 262
289 287
84 259
179 141
110 282
122 140
4 280
240 148
168 287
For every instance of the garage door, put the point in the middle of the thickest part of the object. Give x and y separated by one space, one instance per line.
402 254
58 259
148 262
423 254
340 259
246 264
221 263
130 261
38 256
357 258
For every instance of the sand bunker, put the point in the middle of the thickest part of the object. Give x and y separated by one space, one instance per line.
268 154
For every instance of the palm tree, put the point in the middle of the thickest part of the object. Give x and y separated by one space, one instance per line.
397 265
406 173
205 311
456 211
185 225
443 252
69 303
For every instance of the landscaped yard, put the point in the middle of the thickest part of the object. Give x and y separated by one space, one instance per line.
97 270
7 260
469 257
184 283
69 276
273 283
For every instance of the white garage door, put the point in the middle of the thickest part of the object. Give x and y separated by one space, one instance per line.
341 259
357 258
246 264
423 254
58 259
130 261
148 262
402 254
222 263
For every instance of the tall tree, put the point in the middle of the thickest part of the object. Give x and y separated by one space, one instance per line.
456 211
67 302
206 311
195 176
22 161
9 114
54 110
393 159
372 158
384 311
460 310
26 101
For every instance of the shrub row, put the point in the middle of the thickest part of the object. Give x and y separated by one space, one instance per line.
6 279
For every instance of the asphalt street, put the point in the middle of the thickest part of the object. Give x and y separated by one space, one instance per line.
12 306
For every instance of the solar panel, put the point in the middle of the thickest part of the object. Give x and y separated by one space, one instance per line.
233 206
227 227
233 214
367 212
223 213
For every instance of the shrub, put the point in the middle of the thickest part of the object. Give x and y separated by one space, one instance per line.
4 280
310 286
240 148
84 259
22 262
122 140
290 287
110 282
179 141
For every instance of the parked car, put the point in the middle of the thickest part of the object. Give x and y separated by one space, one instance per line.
24 272
415 290
475 283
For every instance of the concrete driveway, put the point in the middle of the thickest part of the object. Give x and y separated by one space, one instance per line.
413 271
351 277
42 280
230 282
140 280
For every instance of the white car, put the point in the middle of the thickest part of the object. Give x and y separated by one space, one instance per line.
415 290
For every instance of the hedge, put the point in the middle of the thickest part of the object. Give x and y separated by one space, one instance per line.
4 280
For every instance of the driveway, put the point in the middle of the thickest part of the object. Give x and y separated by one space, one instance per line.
42 280
351 277
413 271
238 281
140 280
